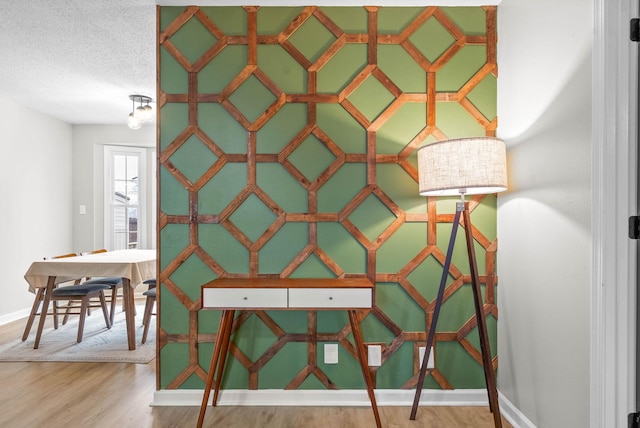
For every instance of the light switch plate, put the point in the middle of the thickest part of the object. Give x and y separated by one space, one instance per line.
331 353
431 364
374 355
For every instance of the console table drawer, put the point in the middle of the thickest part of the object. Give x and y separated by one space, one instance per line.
321 298
213 298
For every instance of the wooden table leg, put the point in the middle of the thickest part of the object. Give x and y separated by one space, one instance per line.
34 310
224 349
129 312
357 335
223 327
45 308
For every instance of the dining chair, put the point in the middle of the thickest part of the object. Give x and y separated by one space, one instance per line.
39 298
115 284
84 293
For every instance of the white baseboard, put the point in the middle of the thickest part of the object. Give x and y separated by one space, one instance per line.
384 397
513 414
6 319
279 397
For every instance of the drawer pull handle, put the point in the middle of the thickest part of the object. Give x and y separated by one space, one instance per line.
245 298
330 298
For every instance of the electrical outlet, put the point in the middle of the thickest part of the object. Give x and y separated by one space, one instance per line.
431 364
331 353
374 355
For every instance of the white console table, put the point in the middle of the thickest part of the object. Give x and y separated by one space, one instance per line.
231 294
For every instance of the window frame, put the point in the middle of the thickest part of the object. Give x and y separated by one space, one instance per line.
109 188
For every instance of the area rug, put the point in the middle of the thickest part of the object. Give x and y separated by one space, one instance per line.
99 344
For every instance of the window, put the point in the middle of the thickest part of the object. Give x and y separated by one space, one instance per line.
125 197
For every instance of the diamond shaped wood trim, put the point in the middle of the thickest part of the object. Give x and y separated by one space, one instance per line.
312 251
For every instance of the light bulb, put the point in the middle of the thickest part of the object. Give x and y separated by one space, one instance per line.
139 113
134 122
144 113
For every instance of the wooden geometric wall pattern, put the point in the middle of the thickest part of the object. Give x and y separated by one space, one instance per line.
284 131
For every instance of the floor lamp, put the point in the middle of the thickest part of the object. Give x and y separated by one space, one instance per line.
462 167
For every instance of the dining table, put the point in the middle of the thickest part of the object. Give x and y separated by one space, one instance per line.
132 265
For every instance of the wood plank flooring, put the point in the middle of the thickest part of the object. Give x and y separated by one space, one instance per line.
69 395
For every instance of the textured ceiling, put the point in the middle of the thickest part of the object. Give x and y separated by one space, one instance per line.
79 60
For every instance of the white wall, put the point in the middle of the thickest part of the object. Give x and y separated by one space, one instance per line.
544 225
53 169
35 196
88 181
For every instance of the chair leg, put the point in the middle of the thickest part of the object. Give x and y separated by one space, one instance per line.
34 311
146 319
55 315
83 314
66 312
114 299
105 312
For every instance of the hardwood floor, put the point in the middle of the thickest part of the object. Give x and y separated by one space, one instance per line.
61 395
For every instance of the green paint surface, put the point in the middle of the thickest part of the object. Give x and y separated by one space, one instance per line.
305 142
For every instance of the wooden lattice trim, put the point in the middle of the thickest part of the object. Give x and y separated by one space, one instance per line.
372 159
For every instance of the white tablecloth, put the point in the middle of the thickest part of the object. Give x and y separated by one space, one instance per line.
136 265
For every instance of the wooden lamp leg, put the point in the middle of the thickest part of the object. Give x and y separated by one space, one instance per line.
482 322
463 208
436 314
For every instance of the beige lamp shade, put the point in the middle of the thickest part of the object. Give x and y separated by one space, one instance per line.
467 165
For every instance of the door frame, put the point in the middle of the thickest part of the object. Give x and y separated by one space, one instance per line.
614 184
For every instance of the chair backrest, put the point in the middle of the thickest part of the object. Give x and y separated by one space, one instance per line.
61 256
102 250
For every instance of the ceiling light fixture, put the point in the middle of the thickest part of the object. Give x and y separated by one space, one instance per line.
140 114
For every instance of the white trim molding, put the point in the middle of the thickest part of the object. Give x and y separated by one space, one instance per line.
613 296
512 414
341 398
14 316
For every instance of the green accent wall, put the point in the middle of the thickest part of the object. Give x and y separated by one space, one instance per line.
287 147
